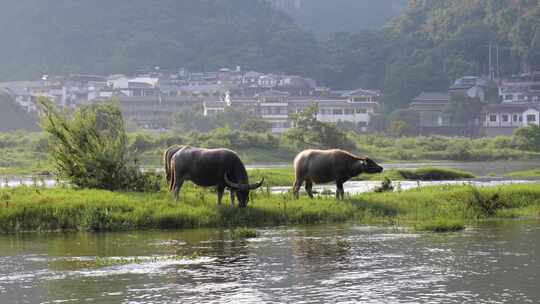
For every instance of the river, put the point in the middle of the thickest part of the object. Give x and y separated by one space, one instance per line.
497 262
490 174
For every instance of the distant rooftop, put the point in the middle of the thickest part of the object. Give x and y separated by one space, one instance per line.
432 97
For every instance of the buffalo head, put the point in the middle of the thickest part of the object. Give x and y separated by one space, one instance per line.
369 166
242 190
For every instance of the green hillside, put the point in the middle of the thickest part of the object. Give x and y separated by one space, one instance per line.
100 36
434 42
323 16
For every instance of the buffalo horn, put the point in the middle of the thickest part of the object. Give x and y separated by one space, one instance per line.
232 185
242 187
256 185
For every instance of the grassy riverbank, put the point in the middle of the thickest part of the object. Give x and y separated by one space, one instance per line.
35 209
534 173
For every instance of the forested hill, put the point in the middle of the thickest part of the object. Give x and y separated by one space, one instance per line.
98 36
328 16
434 42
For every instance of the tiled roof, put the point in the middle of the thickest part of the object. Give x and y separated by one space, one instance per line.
433 96
511 107
272 93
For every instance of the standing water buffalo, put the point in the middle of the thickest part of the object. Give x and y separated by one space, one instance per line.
211 167
324 166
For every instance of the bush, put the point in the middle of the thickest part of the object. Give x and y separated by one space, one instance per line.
89 148
529 137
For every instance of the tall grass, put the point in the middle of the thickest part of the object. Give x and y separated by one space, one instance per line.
534 173
36 209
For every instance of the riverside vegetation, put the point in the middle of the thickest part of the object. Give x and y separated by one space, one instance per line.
439 208
26 153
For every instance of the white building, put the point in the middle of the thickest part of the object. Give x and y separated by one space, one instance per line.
522 88
504 118
278 108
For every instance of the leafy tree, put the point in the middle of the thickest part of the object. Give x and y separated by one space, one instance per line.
463 109
89 148
528 137
410 119
399 128
191 118
234 118
256 125
308 131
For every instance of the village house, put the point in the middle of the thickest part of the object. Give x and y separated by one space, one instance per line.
469 86
430 109
521 88
153 112
277 107
505 118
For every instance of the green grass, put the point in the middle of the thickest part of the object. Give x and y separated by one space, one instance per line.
284 176
36 209
243 233
440 225
435 148
534 173
426 174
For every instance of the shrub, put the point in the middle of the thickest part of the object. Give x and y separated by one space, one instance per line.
89 148
529 137
386 186
440 225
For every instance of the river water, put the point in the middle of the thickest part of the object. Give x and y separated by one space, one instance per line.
496 263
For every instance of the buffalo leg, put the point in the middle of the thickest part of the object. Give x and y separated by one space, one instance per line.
220 190
232 197
177 186
340 193
296 188
309 187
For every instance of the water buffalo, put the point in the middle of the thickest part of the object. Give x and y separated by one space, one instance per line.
167 156
324 166
212 167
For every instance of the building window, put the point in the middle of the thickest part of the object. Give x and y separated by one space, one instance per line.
505 118
361 111
508 97
521 97
349 111
514 118
324 111
531 118
337 112
493 118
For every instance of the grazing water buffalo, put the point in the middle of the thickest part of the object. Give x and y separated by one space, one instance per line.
212 167
324 166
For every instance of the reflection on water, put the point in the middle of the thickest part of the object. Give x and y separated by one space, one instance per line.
497 263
